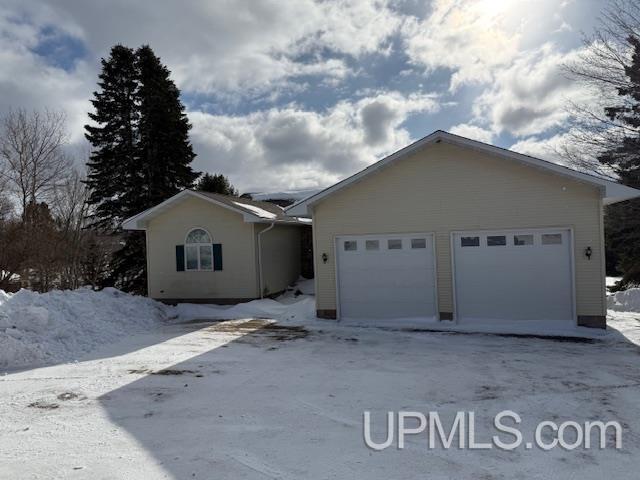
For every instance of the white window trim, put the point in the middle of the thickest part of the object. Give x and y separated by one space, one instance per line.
198 245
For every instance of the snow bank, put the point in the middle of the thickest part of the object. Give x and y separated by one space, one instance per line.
286 307
304 307
625 301
63 325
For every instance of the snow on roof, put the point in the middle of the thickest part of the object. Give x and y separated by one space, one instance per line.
257 210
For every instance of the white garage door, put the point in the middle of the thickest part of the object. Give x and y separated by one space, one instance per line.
523 275
386 276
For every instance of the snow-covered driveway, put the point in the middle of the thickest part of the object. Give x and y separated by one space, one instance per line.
247 399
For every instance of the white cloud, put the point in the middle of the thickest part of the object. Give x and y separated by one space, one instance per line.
27 81
477 38
530 96
356 27
291 148
473 131
544 148
233 45
468 37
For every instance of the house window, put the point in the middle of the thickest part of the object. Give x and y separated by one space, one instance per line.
496 240
523 239
551 239
198 250
418 243
350 245
372 245
394 244
470 241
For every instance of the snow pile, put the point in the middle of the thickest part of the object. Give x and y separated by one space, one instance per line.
63 325
287 307
625 301
302 308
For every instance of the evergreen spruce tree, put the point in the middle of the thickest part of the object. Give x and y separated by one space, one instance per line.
622 221
153 159
216 183
113 139
164 148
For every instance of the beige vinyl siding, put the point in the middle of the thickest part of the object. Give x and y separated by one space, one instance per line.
280 256
445 188
237 279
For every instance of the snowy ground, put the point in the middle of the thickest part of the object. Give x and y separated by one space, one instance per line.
253 399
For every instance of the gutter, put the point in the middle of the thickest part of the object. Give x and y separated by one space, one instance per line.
260 275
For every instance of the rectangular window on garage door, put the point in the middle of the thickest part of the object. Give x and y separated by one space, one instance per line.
372 244
350 245
523 240
551 239
469 241
496 240
418 243
394 244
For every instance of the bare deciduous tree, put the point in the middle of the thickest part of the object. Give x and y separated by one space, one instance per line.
31 149
70 209
601 68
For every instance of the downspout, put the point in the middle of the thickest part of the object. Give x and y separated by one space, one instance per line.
260 276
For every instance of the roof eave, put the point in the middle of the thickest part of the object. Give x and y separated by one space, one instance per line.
616 192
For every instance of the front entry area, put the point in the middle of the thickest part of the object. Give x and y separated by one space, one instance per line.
386 276
514 275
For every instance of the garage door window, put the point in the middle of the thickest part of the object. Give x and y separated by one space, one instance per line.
372 245
418 243
350 246
394 244
470 242
523 240
552 239
496 240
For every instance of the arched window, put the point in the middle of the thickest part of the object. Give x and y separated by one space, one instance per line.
198 250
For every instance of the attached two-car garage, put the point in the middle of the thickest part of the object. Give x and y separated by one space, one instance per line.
513 275
517 238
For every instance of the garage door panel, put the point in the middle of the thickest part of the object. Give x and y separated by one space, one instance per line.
386 283
529 282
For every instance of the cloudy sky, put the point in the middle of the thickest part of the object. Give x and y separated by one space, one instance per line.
299 94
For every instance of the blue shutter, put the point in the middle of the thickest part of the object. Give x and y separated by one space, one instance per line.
180 258
217 256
